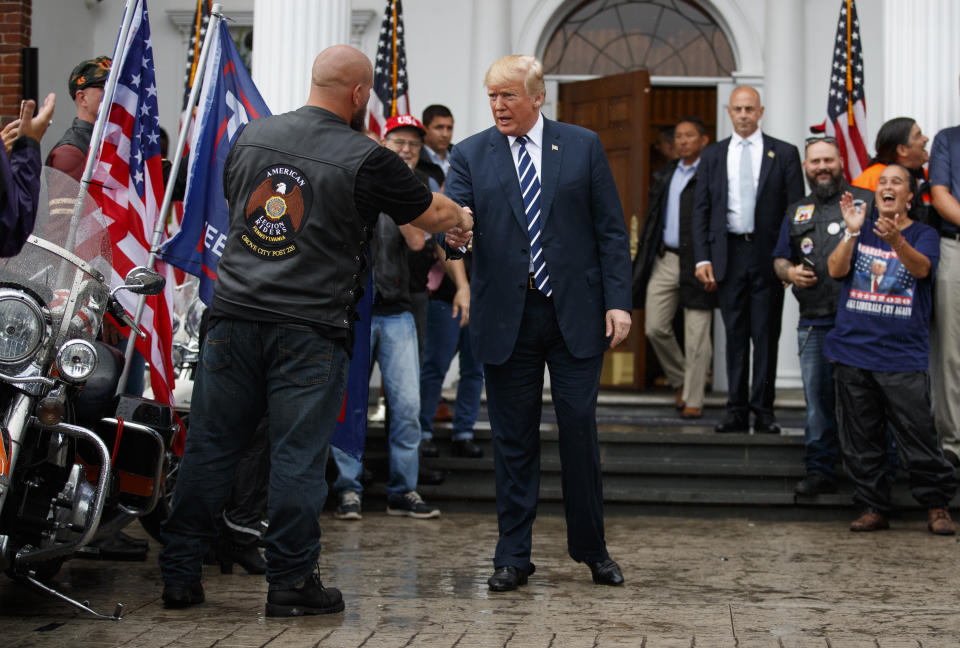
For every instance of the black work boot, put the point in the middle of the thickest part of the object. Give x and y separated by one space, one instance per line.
181 596
307 597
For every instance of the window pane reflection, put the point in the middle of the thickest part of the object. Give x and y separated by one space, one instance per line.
666 37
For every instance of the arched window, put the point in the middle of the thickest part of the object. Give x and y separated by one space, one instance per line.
666 37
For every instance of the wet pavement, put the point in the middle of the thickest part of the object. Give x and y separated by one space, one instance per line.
690 582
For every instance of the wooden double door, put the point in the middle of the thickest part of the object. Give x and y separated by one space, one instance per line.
629 116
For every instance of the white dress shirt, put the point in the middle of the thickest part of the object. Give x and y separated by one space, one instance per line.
734 221
534 148
671 210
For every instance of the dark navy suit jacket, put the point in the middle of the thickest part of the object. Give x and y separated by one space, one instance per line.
584 238
780 183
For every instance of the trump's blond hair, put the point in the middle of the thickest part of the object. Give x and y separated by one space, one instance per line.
509 68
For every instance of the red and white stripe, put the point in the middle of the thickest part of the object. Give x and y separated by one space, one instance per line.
377 122
850 140
132 221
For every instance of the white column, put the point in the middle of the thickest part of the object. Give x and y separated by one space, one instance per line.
288 35
491 39
784 99
921 62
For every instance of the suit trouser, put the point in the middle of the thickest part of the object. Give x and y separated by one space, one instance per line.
946 351
690 366
751 303
868 402
515 401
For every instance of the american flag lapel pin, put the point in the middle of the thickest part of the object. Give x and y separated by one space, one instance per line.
554 147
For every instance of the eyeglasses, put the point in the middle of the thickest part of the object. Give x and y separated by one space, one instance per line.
413 145
829 139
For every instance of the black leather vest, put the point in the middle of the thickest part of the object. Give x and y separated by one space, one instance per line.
816 227
297 247
391 271
78 135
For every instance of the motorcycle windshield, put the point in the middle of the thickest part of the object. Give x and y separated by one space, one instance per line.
65 265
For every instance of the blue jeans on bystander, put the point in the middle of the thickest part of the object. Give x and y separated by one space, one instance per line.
820 432
393 344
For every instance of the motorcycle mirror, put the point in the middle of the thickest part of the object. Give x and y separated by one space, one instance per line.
143 281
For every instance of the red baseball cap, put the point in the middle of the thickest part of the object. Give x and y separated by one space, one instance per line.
403 121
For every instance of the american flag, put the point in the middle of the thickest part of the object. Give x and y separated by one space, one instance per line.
198 29
127 184
846 107
389 96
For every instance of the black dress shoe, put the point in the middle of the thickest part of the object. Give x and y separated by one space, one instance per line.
731 424
181 596
765 425
606 572
428 448
247 556
466 448
508 578
815 484
430 477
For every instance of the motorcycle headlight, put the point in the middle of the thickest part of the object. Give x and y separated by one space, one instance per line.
77 360
21 327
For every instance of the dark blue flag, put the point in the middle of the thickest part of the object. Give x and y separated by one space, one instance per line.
228 100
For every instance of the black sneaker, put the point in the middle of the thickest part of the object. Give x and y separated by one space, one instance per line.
182 596
428 448
815 484
411 505
307 597
349 507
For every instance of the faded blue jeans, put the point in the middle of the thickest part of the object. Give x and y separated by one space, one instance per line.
820 432
393 344
245 369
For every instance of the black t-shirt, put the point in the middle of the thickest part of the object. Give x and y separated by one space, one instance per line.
386 184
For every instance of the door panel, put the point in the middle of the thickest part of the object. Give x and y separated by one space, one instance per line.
629 116
617 108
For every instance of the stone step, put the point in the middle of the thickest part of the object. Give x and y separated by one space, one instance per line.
650 457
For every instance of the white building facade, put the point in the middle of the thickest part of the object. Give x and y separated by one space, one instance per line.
782 47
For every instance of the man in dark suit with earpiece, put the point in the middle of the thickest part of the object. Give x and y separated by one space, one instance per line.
745 183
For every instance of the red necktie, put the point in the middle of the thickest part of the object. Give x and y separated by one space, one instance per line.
876 284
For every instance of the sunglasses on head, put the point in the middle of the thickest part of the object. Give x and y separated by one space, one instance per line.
829 139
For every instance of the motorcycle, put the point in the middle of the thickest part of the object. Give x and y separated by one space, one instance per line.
77 462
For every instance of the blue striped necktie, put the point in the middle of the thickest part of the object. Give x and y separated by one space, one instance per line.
530 189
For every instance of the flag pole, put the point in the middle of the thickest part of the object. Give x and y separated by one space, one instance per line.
216 14
101 123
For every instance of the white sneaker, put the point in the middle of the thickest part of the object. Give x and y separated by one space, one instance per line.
349 507
379 415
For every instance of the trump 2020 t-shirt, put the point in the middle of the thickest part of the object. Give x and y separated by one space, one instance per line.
883 318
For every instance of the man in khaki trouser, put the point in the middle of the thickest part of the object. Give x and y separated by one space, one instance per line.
664 273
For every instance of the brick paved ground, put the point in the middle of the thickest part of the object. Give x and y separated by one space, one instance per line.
690 582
